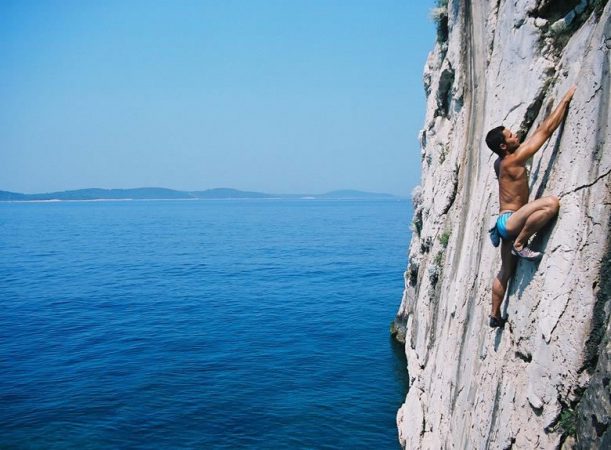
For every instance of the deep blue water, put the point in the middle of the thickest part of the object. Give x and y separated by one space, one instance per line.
201 324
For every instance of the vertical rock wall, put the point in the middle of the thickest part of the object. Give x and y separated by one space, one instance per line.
543 381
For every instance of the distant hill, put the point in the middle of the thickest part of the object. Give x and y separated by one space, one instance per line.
100 194
153 193
11 196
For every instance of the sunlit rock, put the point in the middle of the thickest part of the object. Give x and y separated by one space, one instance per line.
543 381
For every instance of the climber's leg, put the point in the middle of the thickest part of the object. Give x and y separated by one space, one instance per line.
499 285
530 218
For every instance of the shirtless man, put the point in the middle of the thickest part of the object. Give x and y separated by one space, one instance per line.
518 219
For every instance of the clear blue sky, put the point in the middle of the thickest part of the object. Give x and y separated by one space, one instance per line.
286 96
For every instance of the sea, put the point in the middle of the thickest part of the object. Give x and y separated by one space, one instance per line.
201 324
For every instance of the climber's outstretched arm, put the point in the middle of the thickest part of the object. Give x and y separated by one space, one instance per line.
531 145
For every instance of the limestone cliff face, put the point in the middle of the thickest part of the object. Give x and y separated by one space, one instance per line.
542 382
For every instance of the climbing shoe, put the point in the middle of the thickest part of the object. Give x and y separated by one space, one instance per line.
497 322
527 253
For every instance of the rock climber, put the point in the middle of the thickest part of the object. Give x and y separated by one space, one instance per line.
518 218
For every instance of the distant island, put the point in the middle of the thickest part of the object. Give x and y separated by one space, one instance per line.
153 193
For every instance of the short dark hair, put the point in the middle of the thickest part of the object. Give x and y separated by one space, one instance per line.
495 138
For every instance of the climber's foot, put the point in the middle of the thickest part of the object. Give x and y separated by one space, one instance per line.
526 253
497 322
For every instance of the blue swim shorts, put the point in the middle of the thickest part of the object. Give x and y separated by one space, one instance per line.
501 224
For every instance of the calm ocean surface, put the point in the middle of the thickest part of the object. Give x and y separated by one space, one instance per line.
201 324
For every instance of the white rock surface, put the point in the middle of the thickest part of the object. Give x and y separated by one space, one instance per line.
472 387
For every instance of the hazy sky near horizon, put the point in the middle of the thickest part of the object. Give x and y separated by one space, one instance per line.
299 96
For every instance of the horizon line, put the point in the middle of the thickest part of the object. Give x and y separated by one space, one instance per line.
205 190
